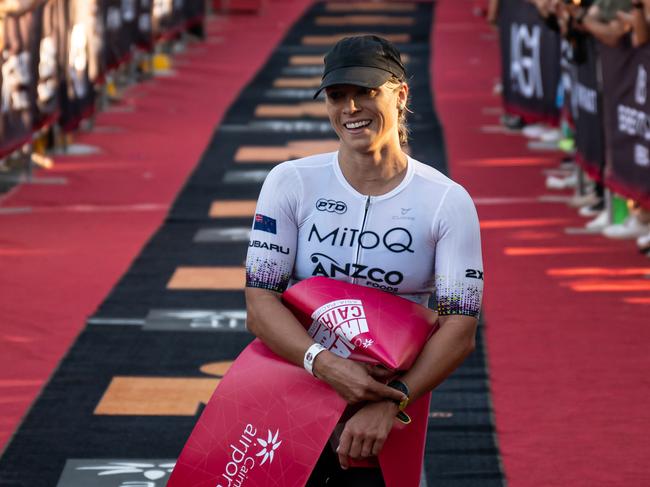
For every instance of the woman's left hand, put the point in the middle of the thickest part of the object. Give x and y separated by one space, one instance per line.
365 432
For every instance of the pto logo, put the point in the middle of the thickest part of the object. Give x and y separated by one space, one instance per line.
340 325
265 224
331 206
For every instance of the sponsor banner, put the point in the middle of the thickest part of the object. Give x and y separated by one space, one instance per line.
627 120
18 77
589 135
116 473
530 62
568 75
269 420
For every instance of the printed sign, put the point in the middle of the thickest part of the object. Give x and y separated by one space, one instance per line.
627 115
530 56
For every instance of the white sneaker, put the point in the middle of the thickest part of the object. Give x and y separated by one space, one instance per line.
583 200
598 223
534 131
551 135
643 241
630 228
554 182
591 210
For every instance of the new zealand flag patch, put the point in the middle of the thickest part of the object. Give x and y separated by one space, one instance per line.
264 223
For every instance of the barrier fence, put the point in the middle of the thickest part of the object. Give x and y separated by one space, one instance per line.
56 53
607 99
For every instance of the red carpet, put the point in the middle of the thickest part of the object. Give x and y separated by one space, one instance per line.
567 315
64 246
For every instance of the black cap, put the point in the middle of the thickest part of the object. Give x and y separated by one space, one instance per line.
367 61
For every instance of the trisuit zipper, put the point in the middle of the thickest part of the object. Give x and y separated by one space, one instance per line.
363 226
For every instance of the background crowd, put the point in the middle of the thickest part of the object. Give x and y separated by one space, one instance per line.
575 77
61 58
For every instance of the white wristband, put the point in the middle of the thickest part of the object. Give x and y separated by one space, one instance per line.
310 356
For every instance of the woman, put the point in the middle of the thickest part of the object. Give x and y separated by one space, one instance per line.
371 215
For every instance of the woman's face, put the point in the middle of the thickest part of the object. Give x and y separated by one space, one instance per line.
366 119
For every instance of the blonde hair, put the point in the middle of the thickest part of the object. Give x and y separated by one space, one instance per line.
402 111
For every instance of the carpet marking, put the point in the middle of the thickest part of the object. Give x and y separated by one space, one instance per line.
536 251
233 320
119 472
232 208
223 235
208 279
245 176
98 320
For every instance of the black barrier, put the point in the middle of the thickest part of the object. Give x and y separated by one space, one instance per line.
50 61
82 63
194 13
627 120
530 62
17 78
142 29
119 19
568 74
168 18
589 136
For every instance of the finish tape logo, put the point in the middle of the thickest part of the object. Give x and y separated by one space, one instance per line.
242 461
340 325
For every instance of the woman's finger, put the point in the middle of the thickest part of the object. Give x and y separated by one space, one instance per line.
356 447
377 446
380 372
382 391
366 449
344 449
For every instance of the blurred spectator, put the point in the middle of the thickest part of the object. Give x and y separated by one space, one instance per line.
602 21
637 21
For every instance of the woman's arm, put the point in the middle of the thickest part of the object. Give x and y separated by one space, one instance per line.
365 433
636 20
442 354
609 33
275 325
459 288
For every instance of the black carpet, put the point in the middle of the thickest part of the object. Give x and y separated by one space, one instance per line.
123 401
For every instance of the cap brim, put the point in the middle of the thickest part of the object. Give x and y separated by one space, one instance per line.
365 76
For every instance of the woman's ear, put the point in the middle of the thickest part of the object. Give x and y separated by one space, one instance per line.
402 96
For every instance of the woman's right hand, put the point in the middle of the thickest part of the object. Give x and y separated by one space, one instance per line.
352 380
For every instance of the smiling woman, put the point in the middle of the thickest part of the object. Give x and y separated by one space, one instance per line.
371 215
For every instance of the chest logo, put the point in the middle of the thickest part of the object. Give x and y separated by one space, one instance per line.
331 206
397 239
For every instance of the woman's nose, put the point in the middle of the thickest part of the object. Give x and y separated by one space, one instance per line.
350 105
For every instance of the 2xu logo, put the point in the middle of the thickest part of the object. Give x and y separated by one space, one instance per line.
331 206
474 274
